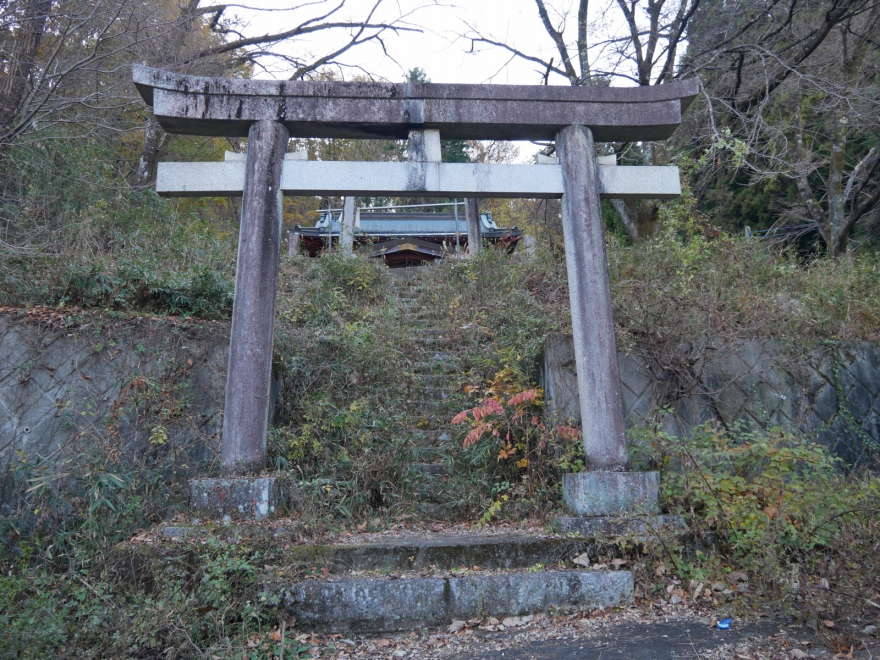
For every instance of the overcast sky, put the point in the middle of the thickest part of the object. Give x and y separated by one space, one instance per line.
439 48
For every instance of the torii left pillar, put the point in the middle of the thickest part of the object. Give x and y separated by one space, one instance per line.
246 411
248 377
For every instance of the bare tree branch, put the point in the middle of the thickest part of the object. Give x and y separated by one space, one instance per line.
570 73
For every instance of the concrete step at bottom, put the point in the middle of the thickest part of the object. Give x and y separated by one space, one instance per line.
389 605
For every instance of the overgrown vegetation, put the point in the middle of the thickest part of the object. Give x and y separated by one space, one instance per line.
94 241
779 506
789 526
81 230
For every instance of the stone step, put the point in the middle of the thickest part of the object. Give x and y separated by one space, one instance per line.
431 470
444 551
415 315
386 582
431 379
399 275
429 406
395 553
427 339
433 367
429 437
435 393
429 480
431 342
388 605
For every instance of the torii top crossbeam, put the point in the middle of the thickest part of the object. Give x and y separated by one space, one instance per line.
228 106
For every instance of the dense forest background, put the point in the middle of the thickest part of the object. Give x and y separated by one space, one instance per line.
783 136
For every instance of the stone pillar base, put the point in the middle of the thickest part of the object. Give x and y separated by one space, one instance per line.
642 527
611 493
242 498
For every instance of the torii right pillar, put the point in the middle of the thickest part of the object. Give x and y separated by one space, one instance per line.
607 488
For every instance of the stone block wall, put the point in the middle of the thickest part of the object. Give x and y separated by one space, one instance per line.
78 382
830 393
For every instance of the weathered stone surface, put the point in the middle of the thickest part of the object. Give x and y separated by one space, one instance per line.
346 234
383 605
416 178
368 605
408 553
446 552
825 402
524 593
474 230
558 378
611 493
592 315
250 498
423 146
225 106
232 531
67 390
249 376
608 526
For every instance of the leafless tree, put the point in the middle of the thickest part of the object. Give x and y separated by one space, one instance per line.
639 41
69 61
792 92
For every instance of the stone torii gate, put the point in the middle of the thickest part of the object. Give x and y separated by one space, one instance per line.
268 113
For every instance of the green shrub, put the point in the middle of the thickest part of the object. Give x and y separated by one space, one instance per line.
772 498
355 275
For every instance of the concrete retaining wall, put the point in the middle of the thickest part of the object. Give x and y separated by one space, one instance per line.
79 382
831 393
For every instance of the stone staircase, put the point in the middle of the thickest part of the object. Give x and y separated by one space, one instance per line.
399 580
433 364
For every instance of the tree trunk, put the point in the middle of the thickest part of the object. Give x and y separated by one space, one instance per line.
154 138
836 163
626 218
13 90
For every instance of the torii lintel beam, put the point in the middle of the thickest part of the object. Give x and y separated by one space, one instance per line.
227 179
228 106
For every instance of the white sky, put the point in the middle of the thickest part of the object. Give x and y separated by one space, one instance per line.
439 48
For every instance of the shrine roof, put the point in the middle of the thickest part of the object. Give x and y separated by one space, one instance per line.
228 106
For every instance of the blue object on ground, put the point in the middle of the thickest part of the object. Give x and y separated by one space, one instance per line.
724 624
